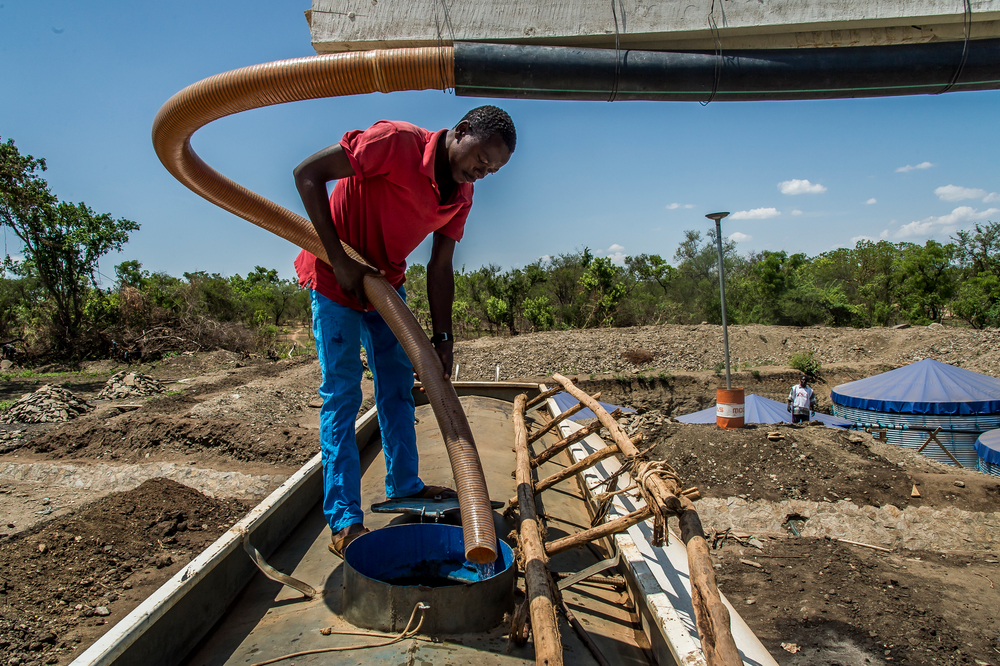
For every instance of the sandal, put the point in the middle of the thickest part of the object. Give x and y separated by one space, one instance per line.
343 538
434 493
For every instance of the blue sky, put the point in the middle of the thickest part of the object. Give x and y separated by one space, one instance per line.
81 83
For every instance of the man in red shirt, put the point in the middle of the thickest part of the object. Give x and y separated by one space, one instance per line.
396 184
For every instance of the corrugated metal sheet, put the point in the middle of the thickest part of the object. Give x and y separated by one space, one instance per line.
961 445
988 467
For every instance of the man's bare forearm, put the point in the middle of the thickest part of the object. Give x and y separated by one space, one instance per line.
441 284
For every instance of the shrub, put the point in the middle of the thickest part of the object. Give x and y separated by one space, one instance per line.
805 363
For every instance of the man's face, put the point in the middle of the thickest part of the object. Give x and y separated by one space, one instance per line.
472 158
802 381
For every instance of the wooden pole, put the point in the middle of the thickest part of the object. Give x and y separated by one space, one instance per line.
573 438
576 468
933 436
542 397
578 407
711 616
567 472
537 580
601 531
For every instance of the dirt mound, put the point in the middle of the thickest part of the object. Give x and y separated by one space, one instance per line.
62 580
812 462
136 435
48 404
669 348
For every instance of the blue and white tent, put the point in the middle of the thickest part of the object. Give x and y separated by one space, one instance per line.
988 450
929 394
763 410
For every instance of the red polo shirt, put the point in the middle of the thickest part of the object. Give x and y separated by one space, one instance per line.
389 206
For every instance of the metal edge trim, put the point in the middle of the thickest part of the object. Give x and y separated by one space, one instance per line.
113 643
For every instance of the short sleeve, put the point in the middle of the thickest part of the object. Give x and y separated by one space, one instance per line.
374 151
455 228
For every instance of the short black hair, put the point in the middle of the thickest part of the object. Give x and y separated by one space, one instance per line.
485 121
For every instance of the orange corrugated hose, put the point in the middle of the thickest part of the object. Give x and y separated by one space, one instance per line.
313 78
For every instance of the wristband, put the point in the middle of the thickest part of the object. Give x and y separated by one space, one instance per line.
440 337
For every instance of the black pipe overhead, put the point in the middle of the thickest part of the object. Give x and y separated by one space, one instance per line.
556 72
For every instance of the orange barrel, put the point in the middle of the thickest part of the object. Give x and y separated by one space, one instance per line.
729 408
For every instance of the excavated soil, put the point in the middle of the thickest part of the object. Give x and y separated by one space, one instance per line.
106 487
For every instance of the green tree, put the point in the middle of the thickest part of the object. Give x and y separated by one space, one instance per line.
978 252
603 285
62 241
978 300
926 280
539 312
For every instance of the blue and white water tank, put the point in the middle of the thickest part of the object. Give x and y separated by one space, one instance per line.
931 394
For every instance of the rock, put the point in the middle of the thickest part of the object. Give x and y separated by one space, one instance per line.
960 484
126 383
42 548
46 405
102 611
6 365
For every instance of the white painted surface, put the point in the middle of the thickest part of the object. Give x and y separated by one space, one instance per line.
348 25
662 572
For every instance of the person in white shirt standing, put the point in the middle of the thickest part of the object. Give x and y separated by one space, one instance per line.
801 401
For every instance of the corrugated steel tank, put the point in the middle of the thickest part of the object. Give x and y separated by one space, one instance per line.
961 445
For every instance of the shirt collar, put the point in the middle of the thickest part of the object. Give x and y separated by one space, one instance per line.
464 192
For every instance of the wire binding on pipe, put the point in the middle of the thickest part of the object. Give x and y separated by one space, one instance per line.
318 77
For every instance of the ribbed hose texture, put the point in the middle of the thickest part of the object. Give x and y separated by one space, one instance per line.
317 77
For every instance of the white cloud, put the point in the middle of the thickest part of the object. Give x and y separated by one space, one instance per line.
546 257
689 205
871 201
675 206
957 193
616 248
796 186
756 214
884 234
942 224
618 258
991 197
855 239
908 168
796 212
738 237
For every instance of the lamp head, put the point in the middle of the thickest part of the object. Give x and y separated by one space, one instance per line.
716 216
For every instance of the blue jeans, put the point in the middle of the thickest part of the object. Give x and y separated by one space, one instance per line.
338 331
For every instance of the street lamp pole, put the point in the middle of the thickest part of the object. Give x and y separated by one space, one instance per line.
722 288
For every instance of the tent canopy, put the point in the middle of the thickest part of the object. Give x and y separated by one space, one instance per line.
763 410
988 446
925 387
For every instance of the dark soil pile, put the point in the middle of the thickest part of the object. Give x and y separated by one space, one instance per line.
62 583
817 602
135 436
